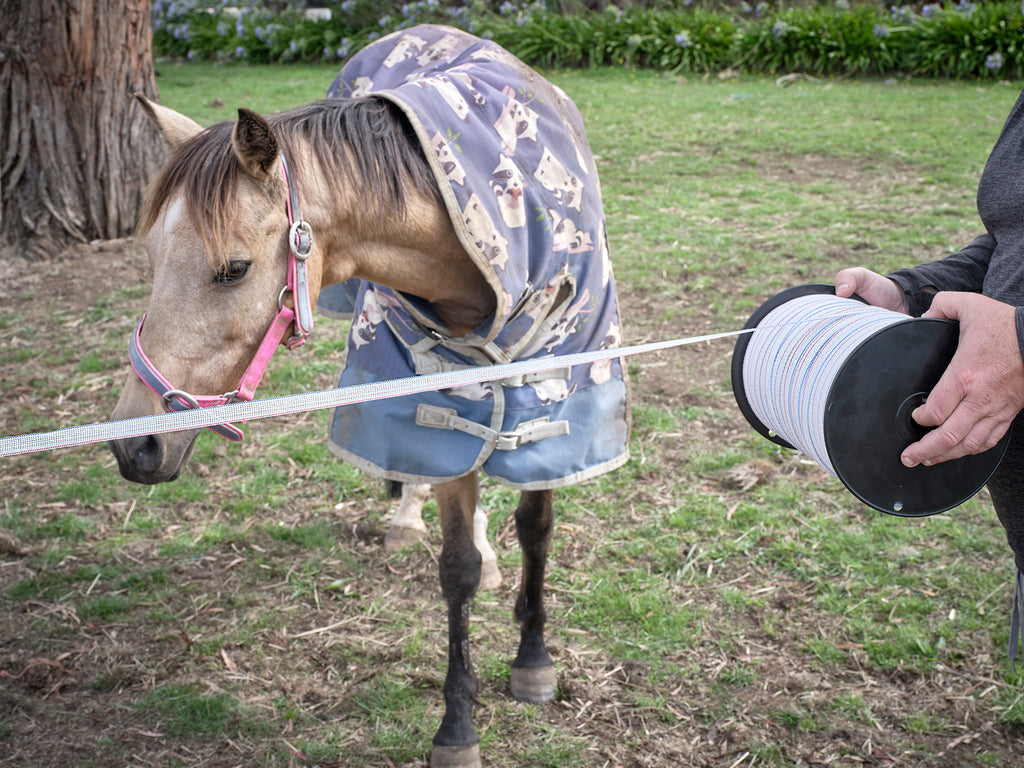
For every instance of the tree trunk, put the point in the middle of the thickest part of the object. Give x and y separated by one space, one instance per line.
75 150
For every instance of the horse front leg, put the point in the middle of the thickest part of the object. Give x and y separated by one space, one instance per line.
533 672
407 528
456 744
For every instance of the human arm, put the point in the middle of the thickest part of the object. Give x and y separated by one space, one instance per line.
964 271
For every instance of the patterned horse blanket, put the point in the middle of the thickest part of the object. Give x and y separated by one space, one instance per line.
516 175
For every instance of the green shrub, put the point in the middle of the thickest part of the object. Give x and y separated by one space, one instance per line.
965 40
822 41
986 42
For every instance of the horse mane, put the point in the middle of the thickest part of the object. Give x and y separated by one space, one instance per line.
364 139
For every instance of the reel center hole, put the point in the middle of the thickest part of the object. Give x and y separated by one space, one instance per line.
907 428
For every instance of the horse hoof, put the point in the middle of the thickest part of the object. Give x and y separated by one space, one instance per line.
455 757
533 684
401 536
490 576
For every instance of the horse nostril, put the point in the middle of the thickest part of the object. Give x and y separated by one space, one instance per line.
138 458
148 453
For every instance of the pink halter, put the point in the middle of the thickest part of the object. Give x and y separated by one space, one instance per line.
300 246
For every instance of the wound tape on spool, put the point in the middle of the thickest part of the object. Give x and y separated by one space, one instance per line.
837 379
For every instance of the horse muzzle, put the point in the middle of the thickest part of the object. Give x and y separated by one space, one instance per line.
153 459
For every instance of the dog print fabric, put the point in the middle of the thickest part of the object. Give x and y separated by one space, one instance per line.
511 157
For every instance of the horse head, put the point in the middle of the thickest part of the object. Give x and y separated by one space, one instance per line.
216 231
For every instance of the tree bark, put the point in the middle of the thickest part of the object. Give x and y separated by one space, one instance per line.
75 150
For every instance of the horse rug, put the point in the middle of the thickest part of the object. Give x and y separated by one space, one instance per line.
511 158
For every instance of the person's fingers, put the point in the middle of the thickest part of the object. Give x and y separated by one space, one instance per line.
962 434
875 289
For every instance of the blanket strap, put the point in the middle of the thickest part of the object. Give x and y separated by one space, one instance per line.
527 432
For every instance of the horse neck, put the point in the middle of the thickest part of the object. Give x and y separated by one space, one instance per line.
416 251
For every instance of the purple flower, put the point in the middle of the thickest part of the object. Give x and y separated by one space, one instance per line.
779 28
994 61
902 15
683 39
880 30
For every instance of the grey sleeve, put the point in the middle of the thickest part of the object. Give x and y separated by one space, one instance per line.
961 271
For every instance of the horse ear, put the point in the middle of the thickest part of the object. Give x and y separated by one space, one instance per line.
254 143
176 128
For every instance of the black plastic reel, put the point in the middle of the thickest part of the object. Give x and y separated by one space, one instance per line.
867 421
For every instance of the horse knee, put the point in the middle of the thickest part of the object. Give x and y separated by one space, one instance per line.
459 570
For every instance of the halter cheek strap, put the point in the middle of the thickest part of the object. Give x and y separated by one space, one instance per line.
300 246
176 399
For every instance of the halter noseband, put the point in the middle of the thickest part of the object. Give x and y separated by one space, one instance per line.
300 246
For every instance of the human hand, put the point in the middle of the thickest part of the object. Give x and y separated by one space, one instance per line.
876 290
982 388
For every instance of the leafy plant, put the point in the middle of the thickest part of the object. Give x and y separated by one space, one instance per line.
964 40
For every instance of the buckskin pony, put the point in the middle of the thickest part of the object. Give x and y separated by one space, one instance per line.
457 186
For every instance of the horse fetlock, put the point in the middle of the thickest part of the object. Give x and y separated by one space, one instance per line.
490 575
536 685
456 731
401 536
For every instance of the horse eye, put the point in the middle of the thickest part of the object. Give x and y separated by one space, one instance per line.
232 272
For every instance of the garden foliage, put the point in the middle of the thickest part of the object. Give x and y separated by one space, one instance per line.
968 39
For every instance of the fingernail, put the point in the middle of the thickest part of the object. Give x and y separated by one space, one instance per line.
907 461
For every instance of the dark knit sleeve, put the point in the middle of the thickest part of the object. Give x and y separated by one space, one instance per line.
961 271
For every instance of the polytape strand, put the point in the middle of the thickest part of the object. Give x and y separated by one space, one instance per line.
332 398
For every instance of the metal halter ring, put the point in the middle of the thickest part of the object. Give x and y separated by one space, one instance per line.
300 239
184 396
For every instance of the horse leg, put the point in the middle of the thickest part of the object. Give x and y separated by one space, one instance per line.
407 528
490 576
533 672
407 524
456 744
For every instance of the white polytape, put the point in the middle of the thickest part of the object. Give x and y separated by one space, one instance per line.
310 401
787 373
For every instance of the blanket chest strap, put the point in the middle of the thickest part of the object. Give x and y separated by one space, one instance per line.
527 432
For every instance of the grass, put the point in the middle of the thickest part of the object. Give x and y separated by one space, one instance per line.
248 611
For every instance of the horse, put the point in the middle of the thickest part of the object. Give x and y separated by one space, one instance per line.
457 185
